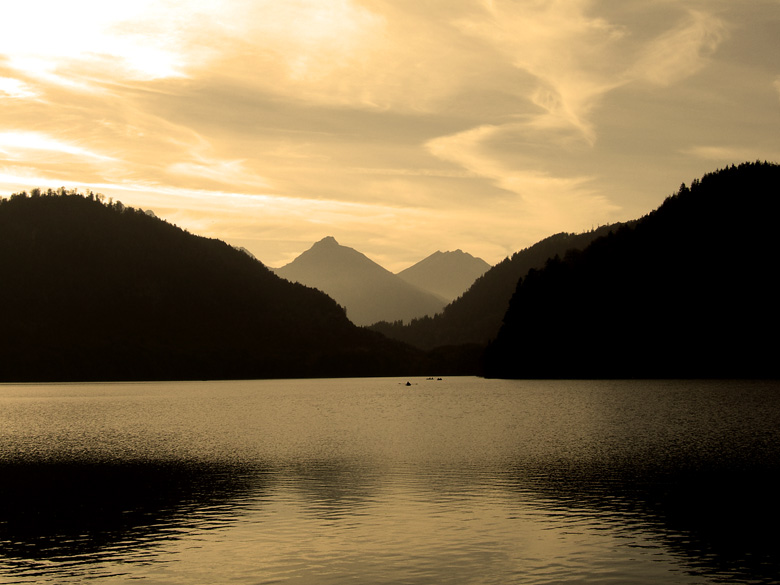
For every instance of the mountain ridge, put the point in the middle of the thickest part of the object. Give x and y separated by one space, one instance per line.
447 274
687 291
105 292
97 292
368 291
475 317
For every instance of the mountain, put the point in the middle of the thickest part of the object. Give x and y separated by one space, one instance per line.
447 274
476 316
690 290
105 292
369 292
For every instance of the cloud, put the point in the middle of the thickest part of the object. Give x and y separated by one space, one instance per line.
133 40
343 53
575 59
218 172
570 60
545 201
566 61
682 51
37 141
14 88
492 122
566 51
370 55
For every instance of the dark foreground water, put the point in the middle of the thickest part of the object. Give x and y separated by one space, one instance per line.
367 481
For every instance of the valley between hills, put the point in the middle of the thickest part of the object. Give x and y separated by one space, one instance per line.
370 293
96 292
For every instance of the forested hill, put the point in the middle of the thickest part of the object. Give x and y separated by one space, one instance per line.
94 291
690 291
476 316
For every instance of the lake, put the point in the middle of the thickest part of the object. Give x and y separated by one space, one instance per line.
371 481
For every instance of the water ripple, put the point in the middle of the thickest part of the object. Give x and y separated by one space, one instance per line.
464 481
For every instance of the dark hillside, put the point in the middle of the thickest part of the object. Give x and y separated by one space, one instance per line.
104 292
476 316
691 291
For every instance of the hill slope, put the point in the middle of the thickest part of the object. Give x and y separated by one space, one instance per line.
104 292
446 274
690 291
369 292
476 316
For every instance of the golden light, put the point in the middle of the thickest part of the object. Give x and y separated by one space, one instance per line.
42 38
42 142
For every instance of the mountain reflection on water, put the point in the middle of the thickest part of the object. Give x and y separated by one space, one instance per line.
85 509
479 490
717 520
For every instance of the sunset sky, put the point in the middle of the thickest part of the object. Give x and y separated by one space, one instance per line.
400 127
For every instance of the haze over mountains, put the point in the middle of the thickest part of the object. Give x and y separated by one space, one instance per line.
370 293
94 291
689 290
447 274
476 316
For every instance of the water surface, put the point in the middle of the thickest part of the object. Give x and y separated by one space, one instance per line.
461 480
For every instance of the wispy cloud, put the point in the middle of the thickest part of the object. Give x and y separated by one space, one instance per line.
567 52
46 39
539 198
682 51
15 88
12 142
404 124
221 172
346 53
572 60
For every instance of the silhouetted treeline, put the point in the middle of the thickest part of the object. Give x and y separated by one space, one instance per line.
690 290
476 316
95 290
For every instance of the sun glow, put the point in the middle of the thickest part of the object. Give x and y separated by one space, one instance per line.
41 142
14 88
47 39
484 125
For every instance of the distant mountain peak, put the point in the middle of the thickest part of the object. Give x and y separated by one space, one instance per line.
451 253
447 274
327 241
192 308
369 292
